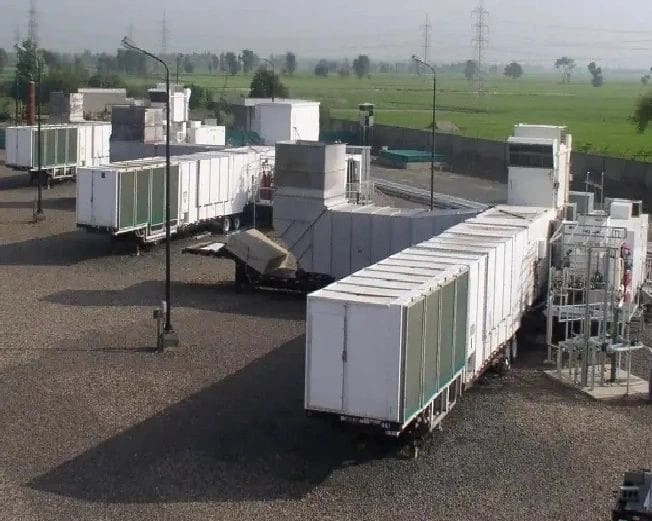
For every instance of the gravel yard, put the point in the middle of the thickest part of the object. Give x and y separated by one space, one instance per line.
94 425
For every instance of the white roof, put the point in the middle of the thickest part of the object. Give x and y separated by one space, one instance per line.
251 102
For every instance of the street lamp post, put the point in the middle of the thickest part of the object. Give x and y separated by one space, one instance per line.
432 152
273 76
168 337
39 173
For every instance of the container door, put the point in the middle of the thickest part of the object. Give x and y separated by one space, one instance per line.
174 194
142 197
73 153
372 362
447 336
126 201
324 371
431 347
62 144
157 215
51 146
461 320
413 359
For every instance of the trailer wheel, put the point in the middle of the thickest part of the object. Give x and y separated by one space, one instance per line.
226 225
236 222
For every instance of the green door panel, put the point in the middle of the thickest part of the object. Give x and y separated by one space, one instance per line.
431 347
157 215
126 201
413 358
142 196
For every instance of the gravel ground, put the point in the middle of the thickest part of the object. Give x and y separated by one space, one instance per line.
95 426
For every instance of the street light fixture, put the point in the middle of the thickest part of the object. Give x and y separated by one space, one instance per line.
167 338
273 76
432 152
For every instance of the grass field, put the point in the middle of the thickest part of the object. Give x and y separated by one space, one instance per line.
599 118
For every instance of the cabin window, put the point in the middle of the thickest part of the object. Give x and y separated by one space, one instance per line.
531 156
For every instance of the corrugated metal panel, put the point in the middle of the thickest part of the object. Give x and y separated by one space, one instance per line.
174 193
126 216
50 144
431 347
157 215
447 338
62 143
142 196
413 358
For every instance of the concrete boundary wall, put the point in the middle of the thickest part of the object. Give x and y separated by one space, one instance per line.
487 159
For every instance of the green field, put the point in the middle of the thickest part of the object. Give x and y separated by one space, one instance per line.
598 118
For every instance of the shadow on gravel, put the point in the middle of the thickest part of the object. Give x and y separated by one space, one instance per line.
63 249
246 438
56 203
13 181
218 297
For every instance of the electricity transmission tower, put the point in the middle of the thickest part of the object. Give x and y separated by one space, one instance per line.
480 42
32 23
426 28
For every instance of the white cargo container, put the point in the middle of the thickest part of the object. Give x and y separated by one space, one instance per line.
64 148
284 120
497 254
207 135
128 197
409 364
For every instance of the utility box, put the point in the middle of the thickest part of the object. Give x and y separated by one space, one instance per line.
538 159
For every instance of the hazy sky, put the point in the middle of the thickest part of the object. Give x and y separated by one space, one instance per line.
615 33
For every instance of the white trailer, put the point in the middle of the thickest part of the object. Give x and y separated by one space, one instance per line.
64 148
128 198
442 312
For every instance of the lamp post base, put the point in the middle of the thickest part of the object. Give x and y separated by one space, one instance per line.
167 341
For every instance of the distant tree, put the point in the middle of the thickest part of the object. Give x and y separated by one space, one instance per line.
566 66
645 79
249 60
106 64
26 68
215 62
597 80
266 84
290 63
643 114
232 63
60 80
362 66
4 59
321 69
51 59
470 69
131 62
106 81
79 68
493 69
514 70
200 97
188 65
345 68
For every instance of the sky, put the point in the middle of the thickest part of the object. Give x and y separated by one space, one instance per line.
614 33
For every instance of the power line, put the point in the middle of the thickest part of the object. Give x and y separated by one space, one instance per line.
32 24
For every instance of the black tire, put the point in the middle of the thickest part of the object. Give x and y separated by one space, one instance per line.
226 225
236 222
